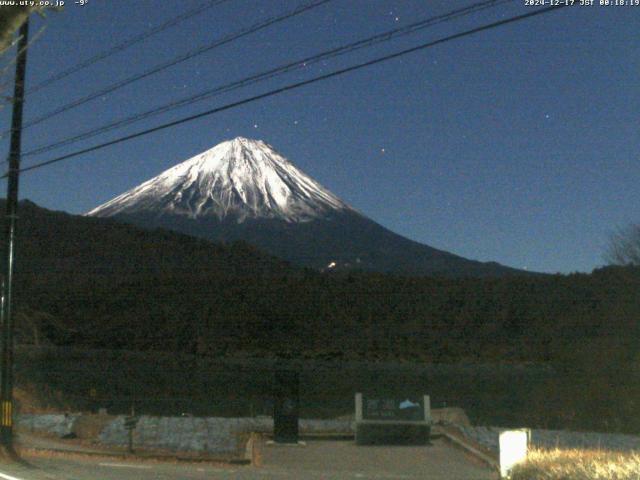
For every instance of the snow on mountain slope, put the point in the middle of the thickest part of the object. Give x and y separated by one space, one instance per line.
244 190
236 179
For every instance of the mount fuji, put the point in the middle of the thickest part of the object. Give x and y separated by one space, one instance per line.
243 189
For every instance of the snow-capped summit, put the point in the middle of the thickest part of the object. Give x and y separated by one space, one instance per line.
244 190
235 180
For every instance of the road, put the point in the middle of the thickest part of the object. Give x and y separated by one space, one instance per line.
327 460
338 460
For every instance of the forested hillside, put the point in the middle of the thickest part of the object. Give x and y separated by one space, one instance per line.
94 282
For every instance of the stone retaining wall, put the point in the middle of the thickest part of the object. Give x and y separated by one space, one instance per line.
224 435
60 425
188 434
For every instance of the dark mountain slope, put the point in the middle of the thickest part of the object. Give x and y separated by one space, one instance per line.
343 241
244 190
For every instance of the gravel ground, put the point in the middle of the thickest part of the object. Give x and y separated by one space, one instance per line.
488 437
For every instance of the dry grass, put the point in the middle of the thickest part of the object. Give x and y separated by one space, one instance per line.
578 465
31 399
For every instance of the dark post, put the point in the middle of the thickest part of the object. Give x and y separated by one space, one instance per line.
286 406
130 424
6 316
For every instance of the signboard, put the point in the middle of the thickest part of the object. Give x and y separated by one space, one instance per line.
387 420
131 422
393 409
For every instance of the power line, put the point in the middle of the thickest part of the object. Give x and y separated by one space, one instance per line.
283 69
129 42
14 59
182 58
8 47
292 87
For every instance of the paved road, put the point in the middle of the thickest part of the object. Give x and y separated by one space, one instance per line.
327 460
56 468
345 460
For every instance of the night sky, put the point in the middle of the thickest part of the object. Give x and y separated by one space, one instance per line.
518 145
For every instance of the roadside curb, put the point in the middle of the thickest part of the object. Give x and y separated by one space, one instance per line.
469 448
24 449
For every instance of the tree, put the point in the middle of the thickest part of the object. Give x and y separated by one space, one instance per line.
624 246
11 18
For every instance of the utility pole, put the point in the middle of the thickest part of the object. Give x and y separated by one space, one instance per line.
6 315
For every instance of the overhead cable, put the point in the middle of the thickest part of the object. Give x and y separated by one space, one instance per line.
175 61
293 86
271 73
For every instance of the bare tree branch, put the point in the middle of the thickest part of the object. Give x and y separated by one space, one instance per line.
11 18
624 246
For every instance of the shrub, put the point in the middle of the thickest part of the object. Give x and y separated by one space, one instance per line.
578 465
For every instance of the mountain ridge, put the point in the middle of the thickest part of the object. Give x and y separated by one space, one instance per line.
243 189
239 178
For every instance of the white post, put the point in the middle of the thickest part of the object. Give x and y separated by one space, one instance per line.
358 407
427 409
514 446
